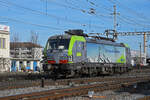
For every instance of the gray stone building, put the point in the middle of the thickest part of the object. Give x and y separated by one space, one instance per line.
25 56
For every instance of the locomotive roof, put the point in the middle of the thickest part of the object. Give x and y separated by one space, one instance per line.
64 36
100 41
89 40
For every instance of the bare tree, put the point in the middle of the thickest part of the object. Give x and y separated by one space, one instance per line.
15 37
34 37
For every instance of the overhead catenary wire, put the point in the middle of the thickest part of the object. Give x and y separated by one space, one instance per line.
96 13
47 14
132 22
76 22
68 6
87 10
140 15
33 24
101 6
4 5
73 3
131 11
92 11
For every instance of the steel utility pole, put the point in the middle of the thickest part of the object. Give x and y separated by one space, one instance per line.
140 53
115 20
145 46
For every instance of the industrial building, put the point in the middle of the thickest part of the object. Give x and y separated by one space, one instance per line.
25 56
4 48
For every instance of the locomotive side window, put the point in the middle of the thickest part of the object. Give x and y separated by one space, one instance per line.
58 44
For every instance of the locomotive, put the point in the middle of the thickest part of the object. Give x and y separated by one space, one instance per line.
78 54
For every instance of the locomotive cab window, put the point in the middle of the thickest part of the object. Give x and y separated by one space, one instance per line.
58 44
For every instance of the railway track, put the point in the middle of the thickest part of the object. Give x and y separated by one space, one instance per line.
35 83
78 90
145 98
25 84
25 75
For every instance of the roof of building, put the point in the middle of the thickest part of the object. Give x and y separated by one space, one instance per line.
24 45
4 32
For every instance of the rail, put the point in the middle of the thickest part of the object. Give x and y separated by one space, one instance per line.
78 90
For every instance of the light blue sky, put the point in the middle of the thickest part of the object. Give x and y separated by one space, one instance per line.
26 15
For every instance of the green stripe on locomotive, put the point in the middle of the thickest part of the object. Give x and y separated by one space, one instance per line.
73 39
122 59
126 45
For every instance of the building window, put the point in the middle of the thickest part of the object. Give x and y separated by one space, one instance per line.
28 63
2 43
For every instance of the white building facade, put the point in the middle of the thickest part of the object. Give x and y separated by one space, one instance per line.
4 48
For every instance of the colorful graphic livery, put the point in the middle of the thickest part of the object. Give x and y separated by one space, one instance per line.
77 54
